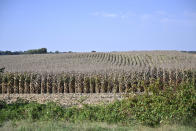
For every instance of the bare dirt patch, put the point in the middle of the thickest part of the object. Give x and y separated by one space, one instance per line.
70 99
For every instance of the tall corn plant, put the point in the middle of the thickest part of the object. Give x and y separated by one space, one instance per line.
134 82
38 84
140 81
179 77
60 84
86 84
97 84
1 78
21 83
121 84
77 83
4 83
54 84
160 77
104 84
172 77
92 84
43 84
115 85
154 73
194 78
72 84
32 83
80 85
27 84
166 77
190 74
49 84
10 88
110 84
1 82
66 83
127 84
16 83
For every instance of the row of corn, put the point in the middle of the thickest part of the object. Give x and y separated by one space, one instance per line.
91 83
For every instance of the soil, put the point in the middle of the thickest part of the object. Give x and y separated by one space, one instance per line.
67 100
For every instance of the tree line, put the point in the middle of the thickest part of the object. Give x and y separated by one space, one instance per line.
193 52
32 51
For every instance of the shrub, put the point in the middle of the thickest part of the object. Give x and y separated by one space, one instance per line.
2 70
166 107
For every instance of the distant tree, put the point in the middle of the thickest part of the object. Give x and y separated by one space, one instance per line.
93 51
17 52
36 51
193 52
8 52
57 52
2 53
42 50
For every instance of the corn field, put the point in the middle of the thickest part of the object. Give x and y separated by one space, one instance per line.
98 62
93 83
114 72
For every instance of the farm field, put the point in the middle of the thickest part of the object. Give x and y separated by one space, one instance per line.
98 62
146 88
98 65
114 72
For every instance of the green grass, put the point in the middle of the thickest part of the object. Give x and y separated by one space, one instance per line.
84 126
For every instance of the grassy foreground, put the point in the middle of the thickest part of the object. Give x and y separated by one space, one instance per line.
157 109
90 126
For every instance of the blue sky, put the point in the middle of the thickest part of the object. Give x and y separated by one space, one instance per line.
101 25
